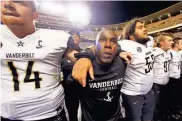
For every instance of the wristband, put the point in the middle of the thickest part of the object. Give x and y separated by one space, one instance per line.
85 54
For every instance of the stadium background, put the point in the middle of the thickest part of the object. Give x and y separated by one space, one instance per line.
168 19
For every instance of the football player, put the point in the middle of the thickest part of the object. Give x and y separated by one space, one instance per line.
161 72
138 99
174 81
30 65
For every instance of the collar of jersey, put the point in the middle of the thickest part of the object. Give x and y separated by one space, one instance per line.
26 39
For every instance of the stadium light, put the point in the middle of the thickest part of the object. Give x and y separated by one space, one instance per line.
54 8
78 13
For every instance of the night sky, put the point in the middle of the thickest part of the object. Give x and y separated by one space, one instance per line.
113 12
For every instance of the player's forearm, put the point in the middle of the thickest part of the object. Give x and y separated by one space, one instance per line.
74 55
91 48
87 53
70 54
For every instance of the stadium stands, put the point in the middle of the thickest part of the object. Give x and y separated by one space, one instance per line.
162 20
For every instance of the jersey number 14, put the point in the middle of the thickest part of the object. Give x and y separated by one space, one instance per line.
27 79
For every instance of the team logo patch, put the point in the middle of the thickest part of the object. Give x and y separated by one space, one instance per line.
139 49
39 44
108 97
20 43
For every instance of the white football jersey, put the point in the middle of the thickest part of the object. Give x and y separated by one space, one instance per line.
30 68
174 67
150 43
180 55
161 66
138 78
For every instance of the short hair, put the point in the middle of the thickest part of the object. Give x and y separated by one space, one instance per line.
99 33
129 28
176 41
160 36
74 32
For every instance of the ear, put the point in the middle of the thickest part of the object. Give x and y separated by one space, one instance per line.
161 42
35 15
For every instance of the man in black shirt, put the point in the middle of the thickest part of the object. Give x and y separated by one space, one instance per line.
100 99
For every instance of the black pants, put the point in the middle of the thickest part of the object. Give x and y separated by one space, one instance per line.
180 88
160 100
72 105
71 101
174 95
60 117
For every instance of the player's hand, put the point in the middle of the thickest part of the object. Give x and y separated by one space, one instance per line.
80 69
126 56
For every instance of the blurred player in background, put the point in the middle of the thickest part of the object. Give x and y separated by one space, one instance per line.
161 73
174 81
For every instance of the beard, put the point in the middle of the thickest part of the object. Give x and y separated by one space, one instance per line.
143 40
